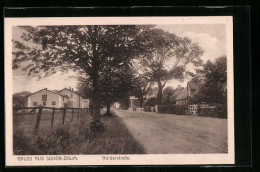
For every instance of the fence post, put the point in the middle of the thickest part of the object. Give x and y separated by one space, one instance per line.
38 119
52 118
78 114
81 113
63 117
72 111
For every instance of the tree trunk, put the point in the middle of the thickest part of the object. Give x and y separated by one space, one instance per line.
159 94
168 99
141 102
108 109
96 101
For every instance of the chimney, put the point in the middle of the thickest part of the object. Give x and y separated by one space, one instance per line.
71 89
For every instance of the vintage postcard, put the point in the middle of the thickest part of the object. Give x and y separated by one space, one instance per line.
119 91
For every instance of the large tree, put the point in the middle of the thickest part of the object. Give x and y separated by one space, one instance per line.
214 88
85 49
166 57
114 85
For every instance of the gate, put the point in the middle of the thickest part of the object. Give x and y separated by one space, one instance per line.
194 109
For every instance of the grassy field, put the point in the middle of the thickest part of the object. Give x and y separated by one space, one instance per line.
70 138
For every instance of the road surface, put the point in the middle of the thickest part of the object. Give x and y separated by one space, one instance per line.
178 134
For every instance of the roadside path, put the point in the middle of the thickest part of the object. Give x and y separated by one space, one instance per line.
180 134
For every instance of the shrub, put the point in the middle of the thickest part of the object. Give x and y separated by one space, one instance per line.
219 111
147 108
94 129
173 109
22 145
150 101
136 102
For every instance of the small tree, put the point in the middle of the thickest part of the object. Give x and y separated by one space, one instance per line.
20 99
150 101
168 95
141 87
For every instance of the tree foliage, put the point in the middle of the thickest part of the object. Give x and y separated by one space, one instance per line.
166 56
168 96
114 84
150 101
141 87
214 90
85 49
20 99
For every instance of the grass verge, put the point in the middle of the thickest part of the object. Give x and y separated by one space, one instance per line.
70 138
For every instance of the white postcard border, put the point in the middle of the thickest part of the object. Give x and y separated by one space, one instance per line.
145 159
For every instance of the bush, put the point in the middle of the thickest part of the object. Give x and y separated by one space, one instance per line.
136 103
147 108
22 144
173 109
94 129
150 101
219 111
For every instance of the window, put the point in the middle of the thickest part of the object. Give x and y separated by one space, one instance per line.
53 103
34 103
44 97
44 103
71 96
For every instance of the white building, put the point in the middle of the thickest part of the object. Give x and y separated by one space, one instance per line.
63 98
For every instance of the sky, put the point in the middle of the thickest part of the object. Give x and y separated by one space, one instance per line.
210 37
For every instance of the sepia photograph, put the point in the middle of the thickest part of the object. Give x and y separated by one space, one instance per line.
111 91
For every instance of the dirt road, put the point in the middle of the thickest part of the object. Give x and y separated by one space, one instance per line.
179 134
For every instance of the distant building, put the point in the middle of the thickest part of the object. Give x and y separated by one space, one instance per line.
117 105
177 92
182 97
133 101
63 98
74 99
190 90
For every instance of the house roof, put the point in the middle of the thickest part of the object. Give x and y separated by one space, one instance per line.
177 91
69 90
46 90
183 94
73 92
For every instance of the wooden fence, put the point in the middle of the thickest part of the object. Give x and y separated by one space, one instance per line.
80 112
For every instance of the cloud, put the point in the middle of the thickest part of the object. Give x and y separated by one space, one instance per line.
212 47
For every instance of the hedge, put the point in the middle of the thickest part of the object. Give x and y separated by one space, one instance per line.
219 111
173 109
147 108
